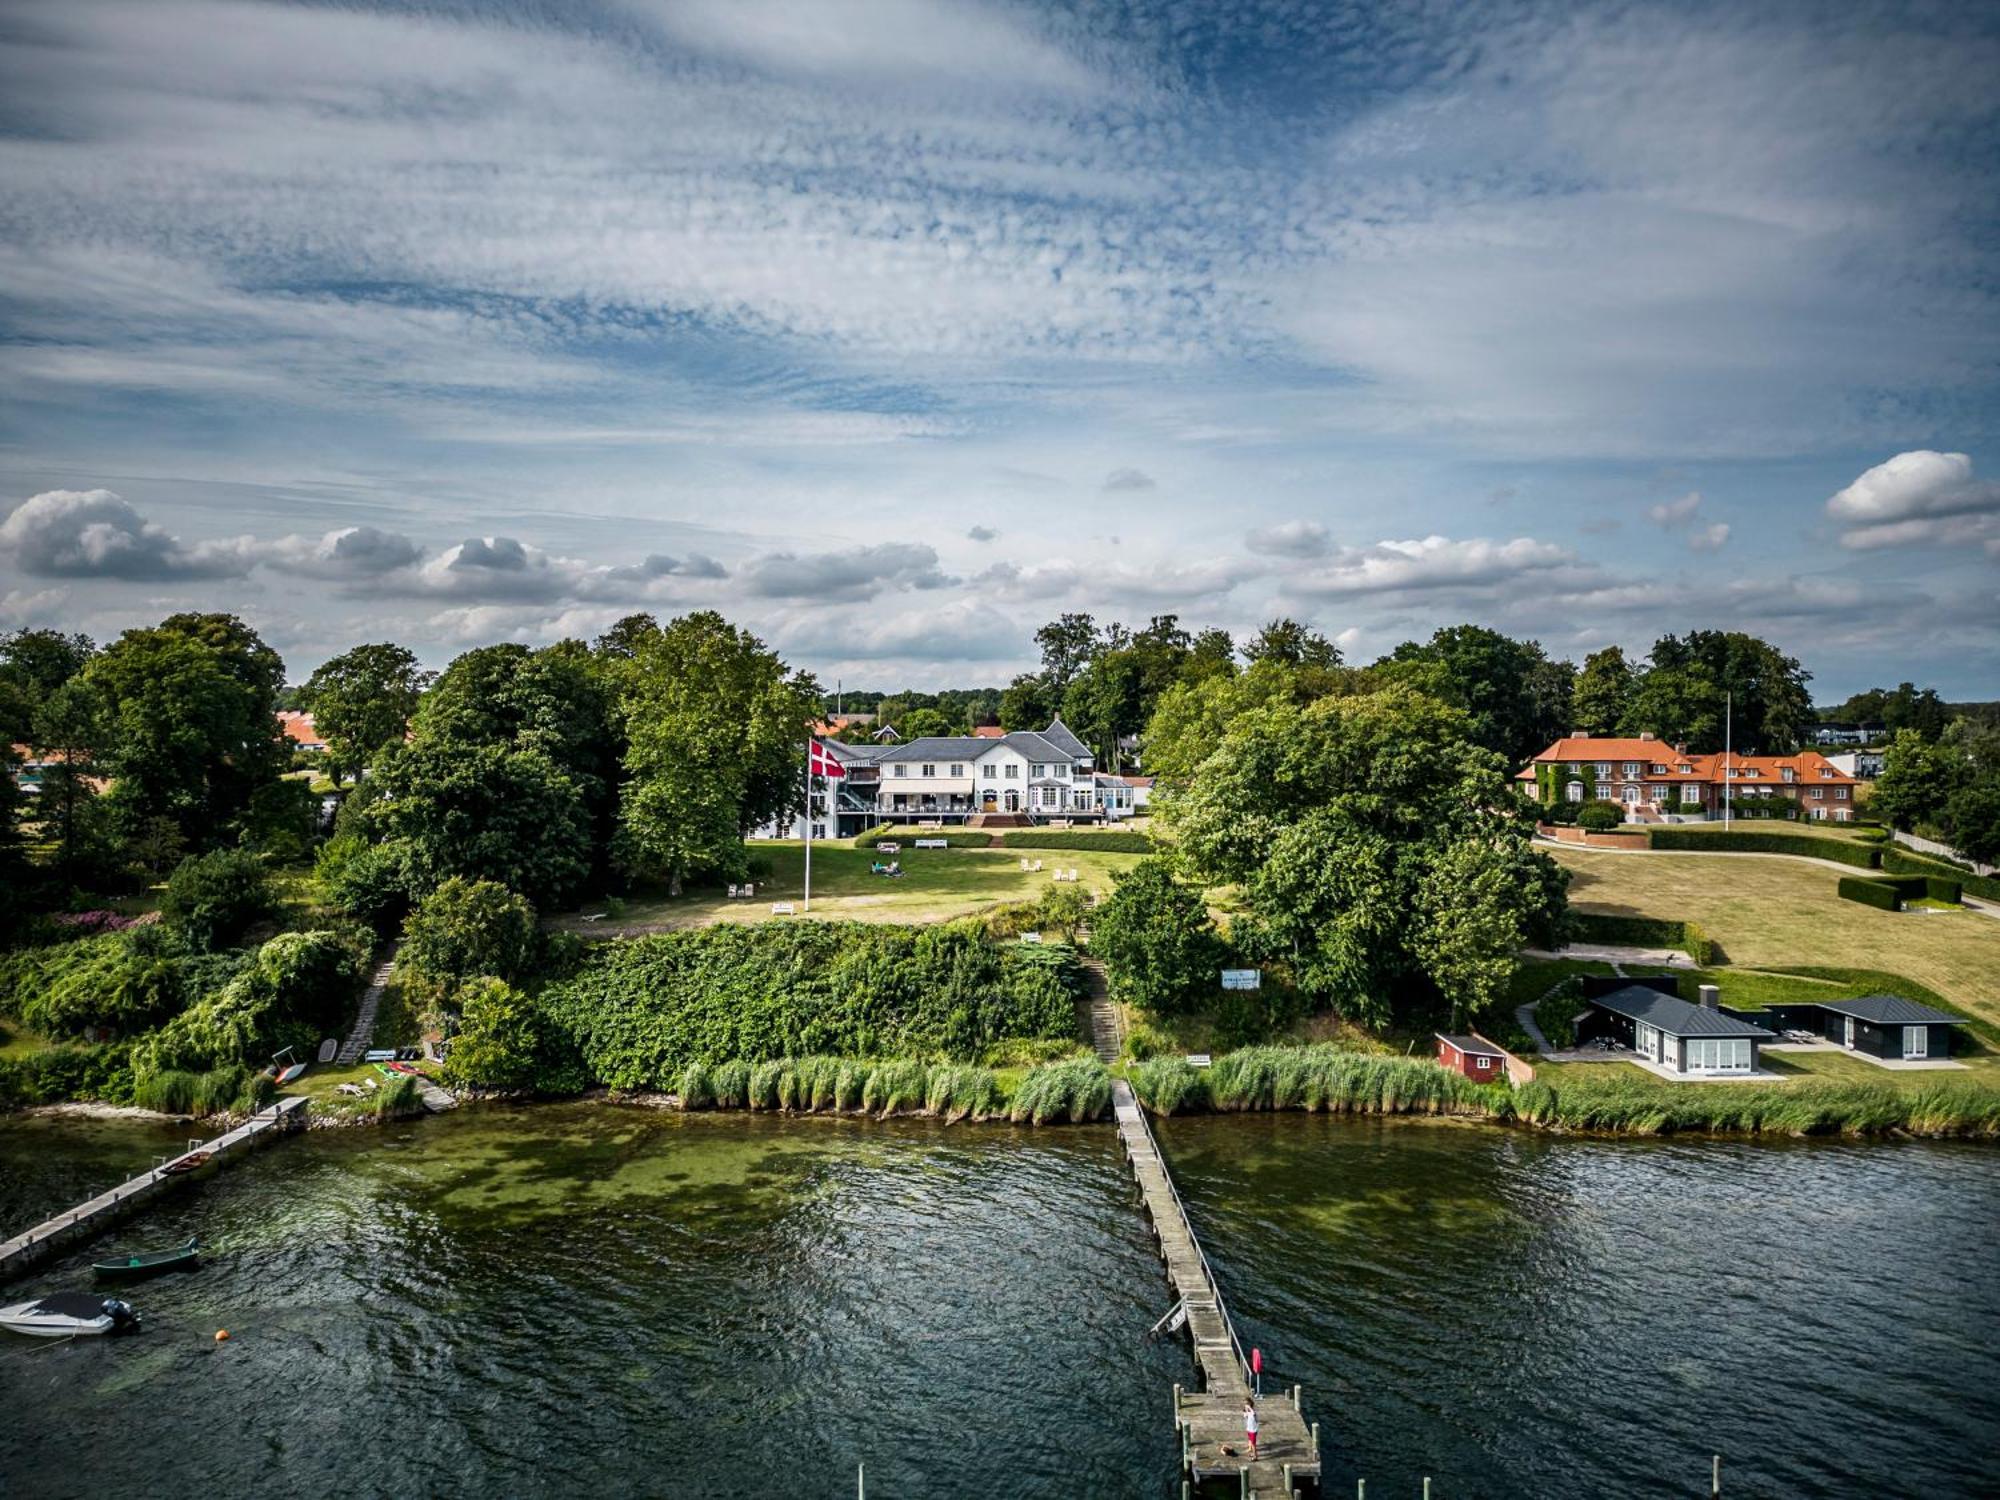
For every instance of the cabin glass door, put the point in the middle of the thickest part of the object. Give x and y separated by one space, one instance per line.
1916 1041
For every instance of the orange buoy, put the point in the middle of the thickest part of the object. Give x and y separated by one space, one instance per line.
222 1335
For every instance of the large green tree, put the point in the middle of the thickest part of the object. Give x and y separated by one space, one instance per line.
70 734
1515 698
33 665
1379 847
190 711
1160 947
716 727
364 699
1692 682
1603 692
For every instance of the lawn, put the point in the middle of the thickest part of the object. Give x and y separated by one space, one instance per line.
936 885
1781 914
1808 827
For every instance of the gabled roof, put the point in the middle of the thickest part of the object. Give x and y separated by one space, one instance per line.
1672 1015
937 747
1890 1010
1058 734
1471 1045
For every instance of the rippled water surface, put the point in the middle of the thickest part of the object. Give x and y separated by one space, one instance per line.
595 1300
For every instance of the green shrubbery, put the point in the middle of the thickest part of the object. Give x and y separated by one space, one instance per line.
1639 1106
638 1012
904 834
1599 816
1899 861
232 1089
1643 932
467 928
58 1073
891 1086
1106 841
1556 1013
1889 892
1701 837
213 900
1874 893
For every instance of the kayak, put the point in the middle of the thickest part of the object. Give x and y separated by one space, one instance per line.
65 1315
148 1262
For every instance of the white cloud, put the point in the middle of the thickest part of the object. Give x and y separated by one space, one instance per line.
1290 539
855 573
1709 538
1430 563
1128 481
95 534
1918 498
1672 513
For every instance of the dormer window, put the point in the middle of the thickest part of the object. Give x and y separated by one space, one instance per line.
1659 770
1685 770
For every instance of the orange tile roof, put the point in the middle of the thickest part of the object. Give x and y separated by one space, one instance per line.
1809 765
988 732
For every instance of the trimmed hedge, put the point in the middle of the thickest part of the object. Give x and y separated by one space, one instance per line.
1874 893
955 838
1111 841
1644 932
1899 861
1838 850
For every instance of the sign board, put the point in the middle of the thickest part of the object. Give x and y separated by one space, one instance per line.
1199 1059
933 843
1242 979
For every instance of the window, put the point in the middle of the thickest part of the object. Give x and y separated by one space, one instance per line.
1482 1063
1573 792
1719 1054
1826 771
1916 1041
1685 770
1062 772
901 769
1604 769
930 770
1790 774
1691 794
1037 771
1631 768
1840 794
1659 770
1014 773
1632 795
958 770
990 773
1819 793
1604 790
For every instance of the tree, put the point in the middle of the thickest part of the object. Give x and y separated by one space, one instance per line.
716 727
1160 947
212 900
1603 692
1067 645
1063 909
485 812
1517 701
919 722
466 928
362 700
1690 681
1211 654
1918 780
1895 710
193 732
34 665
499 1038
1026 704
1378 848
69 734
1292 644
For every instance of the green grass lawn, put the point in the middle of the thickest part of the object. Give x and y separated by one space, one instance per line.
1850 832
936 885
1783 915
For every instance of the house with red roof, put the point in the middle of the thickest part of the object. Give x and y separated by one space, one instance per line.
1655 780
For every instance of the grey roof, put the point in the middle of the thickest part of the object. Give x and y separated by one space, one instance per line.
1470 1044
1890 1010
1053 744
1069 745
1672 1015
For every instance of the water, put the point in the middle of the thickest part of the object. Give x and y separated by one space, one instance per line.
586 1299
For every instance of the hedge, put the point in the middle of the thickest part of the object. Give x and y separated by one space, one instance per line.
1899 861
1644 932
1874 893
1111 841
955 838
1840 851
638 1012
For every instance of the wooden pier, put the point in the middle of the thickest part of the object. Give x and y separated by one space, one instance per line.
98 1213
1210 1420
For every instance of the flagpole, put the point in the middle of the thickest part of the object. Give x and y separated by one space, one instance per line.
809 822
1728 756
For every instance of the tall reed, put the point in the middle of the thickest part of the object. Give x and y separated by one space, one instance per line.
1077 1090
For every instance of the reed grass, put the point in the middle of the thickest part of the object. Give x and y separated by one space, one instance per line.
844 1085
1076 1091
226 1090
1328 1079
1638 1107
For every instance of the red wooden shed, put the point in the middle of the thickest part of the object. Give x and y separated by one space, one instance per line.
1478 1060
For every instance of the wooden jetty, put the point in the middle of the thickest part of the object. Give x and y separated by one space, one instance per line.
98 1213
1210 1420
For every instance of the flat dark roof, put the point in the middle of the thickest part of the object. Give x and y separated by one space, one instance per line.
1889 1010
1470 1044
1673 1015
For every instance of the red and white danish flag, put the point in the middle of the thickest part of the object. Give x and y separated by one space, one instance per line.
821 762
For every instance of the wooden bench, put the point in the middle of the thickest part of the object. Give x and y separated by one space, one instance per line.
783 909
933 843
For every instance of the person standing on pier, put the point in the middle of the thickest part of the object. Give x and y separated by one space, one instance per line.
1250 1425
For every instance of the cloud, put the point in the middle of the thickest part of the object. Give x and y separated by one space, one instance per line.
96 534
1918 498
1672 513
1710 538
982 534
1127 481
350 554
1430 563
858 573
1290 539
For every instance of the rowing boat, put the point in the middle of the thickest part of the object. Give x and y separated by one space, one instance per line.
150 1262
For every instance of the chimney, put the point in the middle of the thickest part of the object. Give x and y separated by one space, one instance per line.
1646 734
1711 997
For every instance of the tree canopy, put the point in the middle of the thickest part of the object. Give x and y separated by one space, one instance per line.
364 699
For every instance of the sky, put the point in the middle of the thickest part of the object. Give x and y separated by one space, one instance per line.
894 328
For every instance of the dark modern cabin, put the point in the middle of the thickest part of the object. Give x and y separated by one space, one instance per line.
1882 1026
1650 1018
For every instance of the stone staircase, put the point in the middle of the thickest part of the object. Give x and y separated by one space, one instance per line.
1106 1035
363 1031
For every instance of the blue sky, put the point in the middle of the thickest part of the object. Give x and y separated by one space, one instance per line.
895 327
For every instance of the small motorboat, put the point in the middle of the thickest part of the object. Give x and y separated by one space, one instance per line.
150 1262
68 1315
192 1162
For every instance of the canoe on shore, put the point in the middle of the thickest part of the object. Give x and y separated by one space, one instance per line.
150 1262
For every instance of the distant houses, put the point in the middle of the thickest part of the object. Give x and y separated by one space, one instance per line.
1655 781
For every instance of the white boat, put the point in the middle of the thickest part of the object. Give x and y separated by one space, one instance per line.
66 1315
